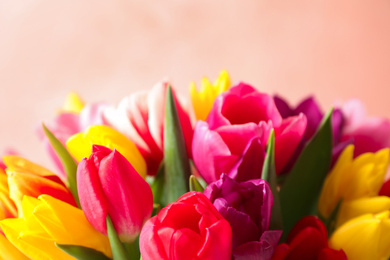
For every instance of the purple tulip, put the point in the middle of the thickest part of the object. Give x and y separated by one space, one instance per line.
247 207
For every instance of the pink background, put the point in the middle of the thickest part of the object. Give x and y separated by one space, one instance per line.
104 50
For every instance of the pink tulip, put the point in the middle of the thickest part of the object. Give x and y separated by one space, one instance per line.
109 185
234 137
140 117
190 228
369 134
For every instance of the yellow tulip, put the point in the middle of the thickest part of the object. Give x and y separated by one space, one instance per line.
203 100
73 104
364 237
47 221
352 179
80 145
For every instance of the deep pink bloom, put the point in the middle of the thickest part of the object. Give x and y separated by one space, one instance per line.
369 134
108 184
247 207
67 124
308 240
234 137
140 117
190 228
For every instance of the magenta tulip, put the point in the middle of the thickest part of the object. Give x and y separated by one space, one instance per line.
234 137
247 208
190 228
109 185
140 117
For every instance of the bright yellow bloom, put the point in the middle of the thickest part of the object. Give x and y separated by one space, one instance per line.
73 104
203 100
48 220
364 237
80 145
353 179
9 251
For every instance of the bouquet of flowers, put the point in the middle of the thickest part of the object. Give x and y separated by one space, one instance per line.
240 174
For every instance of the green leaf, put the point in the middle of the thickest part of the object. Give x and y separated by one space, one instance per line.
300 192
157 184
195 184
67 161
269 174
177 168
82 253
118 250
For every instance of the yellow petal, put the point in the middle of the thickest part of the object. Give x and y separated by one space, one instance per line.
351 179
31 244
9 251
354 208
73 103
68 225
48 220
80 145
331 192
203 100
364 237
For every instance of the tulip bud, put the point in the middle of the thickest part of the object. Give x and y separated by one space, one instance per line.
108 184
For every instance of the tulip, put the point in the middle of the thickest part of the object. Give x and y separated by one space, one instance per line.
247 208
369 134
7 206
353 179
202 100
80 145
27 178
364 237
234 137
190 228
109 185
47 220
307 240
140 117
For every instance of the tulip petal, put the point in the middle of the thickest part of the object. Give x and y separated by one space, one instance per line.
92 199
287 138
211 155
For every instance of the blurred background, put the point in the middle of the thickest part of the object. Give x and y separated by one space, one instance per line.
104 50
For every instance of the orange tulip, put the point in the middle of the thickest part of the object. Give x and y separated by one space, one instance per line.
27 178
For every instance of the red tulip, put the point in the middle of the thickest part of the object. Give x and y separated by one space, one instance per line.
190 228
307 240
109 185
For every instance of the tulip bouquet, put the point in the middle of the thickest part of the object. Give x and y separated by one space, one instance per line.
239 174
